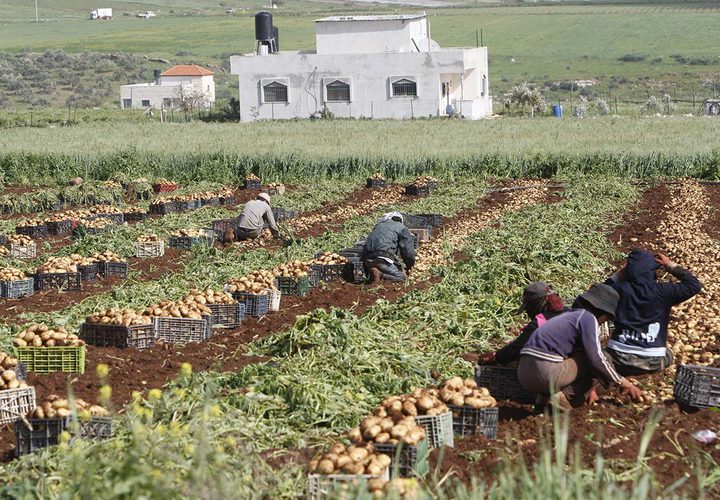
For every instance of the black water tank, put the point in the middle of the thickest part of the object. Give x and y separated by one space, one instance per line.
263 26
276 36
156 74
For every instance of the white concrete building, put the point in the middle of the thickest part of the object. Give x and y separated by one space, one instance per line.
366 66
183 86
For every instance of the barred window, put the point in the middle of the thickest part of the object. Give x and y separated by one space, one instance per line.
145 103
337 91
404 88
275 92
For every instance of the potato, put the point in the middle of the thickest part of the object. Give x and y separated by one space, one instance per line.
409 408
357 453
325 467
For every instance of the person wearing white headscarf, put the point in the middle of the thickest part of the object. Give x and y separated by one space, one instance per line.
388 243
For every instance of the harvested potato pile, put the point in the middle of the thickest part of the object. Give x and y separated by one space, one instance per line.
459 392
58 265
20 240
357 459
118 317
105 209
274 185
134 210
149 238
96 223
56 407
329 259
384 428
106 256
252 177
377 176
58 217
423 180
258 283
4 251
8 377
292 269
177 309
420 402
12 274
40 335
31 223
399 487
191 233
112 185
208 297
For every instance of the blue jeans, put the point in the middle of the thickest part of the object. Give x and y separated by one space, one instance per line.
390 272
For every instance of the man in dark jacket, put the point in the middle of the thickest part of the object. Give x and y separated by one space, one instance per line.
639 344
563 356
388 238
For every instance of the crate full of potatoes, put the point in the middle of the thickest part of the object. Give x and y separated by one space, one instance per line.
47 350
16 397
44 425
15 284
118 328
58 273
110 264
20 246
256 290
226 312
185 239
474 409
330 473
180 322
376 180
252 181
149 246
293 278
330 265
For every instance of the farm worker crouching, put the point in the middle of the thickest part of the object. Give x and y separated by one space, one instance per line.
639 343
388 238
253 217
564 355
541 304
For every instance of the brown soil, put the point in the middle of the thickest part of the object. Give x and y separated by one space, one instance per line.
18 189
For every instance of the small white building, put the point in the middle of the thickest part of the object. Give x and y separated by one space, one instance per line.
365 66
185 86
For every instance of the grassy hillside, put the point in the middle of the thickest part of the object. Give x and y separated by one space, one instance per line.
631 50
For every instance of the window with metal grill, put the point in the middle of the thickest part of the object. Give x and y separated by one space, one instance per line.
145 103
337 91
275 92
404 88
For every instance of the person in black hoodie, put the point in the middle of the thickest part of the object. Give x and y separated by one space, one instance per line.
639 343
540 303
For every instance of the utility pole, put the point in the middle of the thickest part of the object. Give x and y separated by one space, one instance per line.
37 19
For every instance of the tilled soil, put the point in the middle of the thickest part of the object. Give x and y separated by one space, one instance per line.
612 427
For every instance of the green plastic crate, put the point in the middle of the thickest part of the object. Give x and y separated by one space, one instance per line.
65 359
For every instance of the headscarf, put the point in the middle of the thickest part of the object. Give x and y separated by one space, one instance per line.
391 215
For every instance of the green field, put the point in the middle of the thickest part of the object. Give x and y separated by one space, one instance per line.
671 44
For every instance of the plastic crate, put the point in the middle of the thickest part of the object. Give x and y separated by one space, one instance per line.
251 184
213 201
62 281
697 386
434 220
150 249
255 305
422 234
293 286
415 221
329 273
23 252
165 188
57 228
66 359
35 434
3 239
469 421
182 330
228 200
221 225
376 183
227 315
276 190
283 214
187 242
163 208
189 205
328 485
103 335
135 216
314 277
16 403
438 429
17 288
414 190
404 459
20 371
354 271
89 272
39 231
114 218
275 297
118 269
502 382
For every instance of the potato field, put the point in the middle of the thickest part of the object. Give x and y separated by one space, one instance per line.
143 357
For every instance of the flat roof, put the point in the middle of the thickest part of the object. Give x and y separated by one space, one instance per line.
388 17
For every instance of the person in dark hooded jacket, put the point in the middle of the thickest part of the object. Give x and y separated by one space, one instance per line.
639 343
389 238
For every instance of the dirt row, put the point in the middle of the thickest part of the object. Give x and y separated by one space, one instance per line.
133 370
613 427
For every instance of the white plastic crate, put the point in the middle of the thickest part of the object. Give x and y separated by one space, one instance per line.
149 250
275 296
16 403
325 485
438 429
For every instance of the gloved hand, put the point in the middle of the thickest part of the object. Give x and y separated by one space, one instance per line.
486 359
664 260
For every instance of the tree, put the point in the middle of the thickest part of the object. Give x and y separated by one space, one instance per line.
523 95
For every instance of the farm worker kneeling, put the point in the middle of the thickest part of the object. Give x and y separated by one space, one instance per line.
254 215
388 238
639 343
540 303
564 354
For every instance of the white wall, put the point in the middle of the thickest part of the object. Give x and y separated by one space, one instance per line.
364 37
369 76
204 85
153 93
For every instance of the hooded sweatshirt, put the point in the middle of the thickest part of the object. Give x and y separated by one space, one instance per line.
643 311
387 239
